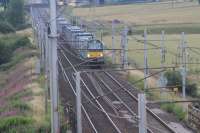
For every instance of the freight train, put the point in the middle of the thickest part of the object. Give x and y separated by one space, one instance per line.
84 44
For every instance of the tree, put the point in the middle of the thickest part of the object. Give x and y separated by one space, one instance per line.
5 53
4 3
15 13
5 27
174 78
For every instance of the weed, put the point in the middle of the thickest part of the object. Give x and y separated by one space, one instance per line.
21 105
175 109
7 123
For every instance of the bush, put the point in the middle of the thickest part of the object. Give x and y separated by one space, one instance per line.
23 26
6 27
105 33
16 59
18 95
130 31
175 109
22 106
15 13
178 111
2 16
22 42
174 78
8 44
191 89
5 53
168 107
9 122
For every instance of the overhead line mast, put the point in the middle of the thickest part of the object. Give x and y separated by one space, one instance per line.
53 69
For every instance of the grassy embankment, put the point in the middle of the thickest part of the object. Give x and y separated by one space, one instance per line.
22 90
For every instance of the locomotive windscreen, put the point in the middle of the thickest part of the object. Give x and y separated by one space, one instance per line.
95 45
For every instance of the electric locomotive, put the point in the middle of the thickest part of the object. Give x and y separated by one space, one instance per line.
85 45
95 51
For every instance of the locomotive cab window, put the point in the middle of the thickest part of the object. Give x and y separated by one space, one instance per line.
95 45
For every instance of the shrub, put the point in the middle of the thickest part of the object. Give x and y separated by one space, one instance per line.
175 109
15 13
9 122
5 53
168 107
2 16
21 42
26 92
6 27
105 33
8 44
44 128
20 105
16 59
174 78
130 31
191 89
178 111
136 81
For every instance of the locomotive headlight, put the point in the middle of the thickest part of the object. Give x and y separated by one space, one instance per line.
88 55
101 55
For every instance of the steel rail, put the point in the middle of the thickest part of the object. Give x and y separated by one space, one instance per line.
106 86
106 114
65 76
136 99
99 90
130 110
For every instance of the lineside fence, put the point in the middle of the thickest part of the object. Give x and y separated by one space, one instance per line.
194 117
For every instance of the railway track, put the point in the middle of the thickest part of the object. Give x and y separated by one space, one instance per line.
113 113
114 110
102 121
127 94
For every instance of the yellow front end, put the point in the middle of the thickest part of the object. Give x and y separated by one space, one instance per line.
94 54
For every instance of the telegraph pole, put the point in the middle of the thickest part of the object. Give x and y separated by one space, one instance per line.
183 63
162 61
39 42
78 103
124 48
113 42
54 71
142 113
101 34
42 47
145 60
46 67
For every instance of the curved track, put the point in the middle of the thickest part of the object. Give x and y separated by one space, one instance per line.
109 104
117 109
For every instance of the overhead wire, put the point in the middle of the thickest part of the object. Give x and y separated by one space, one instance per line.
95 99
65 76
87 97
99 108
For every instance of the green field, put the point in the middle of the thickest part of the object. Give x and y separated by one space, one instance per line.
187 12
173 19
171 44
